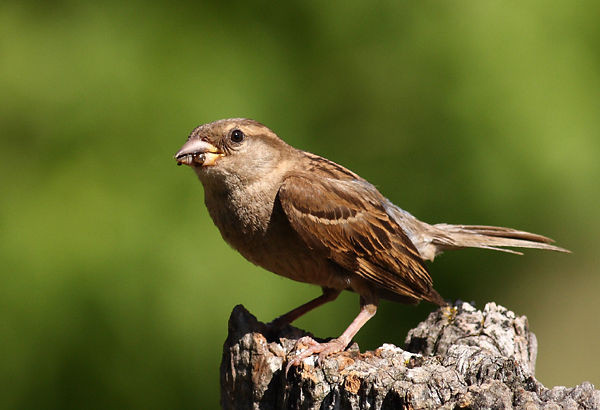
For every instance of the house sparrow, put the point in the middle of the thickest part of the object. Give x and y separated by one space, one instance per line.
307 218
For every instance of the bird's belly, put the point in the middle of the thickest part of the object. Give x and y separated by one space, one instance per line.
299 264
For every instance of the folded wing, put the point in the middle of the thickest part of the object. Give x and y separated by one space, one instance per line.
346 220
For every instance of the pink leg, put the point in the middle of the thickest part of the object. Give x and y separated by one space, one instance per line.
367 311
328 295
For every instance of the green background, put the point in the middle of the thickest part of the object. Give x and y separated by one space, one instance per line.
115 285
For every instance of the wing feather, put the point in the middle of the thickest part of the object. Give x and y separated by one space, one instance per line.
346 219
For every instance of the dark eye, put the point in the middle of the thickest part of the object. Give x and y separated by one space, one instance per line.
237 136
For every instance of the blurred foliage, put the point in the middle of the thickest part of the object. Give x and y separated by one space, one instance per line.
116 287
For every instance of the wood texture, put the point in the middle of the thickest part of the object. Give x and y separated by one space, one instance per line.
459 357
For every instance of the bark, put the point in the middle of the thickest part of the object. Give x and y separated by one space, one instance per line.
459 357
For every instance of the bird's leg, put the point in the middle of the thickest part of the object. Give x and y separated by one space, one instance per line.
367 311
328 295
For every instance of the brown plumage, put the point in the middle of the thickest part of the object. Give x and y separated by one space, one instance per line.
309 219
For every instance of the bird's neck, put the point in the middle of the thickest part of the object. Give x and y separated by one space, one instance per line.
247 205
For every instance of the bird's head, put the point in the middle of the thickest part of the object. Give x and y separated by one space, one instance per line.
236 149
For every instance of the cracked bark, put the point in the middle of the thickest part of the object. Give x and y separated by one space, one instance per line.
458 357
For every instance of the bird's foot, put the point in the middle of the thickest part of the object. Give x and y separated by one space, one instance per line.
314 347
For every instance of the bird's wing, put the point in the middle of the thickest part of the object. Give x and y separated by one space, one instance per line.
346 220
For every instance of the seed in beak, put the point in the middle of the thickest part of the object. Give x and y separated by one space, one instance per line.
197 157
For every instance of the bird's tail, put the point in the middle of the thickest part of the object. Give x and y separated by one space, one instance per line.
449 236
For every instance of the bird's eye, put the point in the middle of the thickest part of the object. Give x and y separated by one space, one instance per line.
237 136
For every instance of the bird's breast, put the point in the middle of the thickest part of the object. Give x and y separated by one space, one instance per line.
253 223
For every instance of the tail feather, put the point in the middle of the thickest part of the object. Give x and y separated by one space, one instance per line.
449 236
431 240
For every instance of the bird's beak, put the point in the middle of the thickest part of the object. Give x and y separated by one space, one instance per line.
198 151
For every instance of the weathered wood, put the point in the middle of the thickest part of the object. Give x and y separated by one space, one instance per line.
458 357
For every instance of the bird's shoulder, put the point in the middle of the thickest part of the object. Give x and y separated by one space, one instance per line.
322 188
312 163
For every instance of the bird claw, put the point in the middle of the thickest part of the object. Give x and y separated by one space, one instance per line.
314 347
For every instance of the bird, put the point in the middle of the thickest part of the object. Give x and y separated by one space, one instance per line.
304 217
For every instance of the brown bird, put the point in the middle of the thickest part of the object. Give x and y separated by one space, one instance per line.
307 218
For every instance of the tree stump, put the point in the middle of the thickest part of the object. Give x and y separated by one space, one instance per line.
460 357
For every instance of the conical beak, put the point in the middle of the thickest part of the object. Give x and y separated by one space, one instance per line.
197 151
